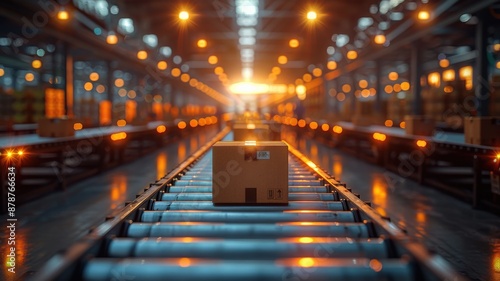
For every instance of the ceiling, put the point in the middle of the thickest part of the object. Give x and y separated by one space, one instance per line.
273 23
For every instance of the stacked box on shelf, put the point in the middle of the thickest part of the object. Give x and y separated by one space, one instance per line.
482 130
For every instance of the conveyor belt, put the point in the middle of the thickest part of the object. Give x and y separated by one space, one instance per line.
323 234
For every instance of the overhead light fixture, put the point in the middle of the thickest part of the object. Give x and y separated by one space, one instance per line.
293 43
184 15
111 39
282 59
352 55
162 65
212 59
36 63
312 15
62 14
142 55
202 43
424 15
379 39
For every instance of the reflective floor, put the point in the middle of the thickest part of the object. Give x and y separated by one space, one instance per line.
55 222
468 238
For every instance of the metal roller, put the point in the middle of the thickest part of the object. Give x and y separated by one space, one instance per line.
202 189
248 231
265 249
208 197
209 182
208 205
187 269
247 217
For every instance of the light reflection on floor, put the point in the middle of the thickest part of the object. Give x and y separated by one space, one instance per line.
469 239
55 222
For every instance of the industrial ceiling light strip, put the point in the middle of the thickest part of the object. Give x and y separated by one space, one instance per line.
247 14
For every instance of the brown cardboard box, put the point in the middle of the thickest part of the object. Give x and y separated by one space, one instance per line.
419 125
482 130
250 172
56 127
251 131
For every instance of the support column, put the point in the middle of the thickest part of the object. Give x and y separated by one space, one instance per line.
415 74
481 71
378 89
69 84
110 83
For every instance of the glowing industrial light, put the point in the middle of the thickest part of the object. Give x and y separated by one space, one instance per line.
63 15
184 15
421 143
301 123
379 39
388 123
202 43
119 82
346 88
498 65
181 125
111 38
307 77
402 125
325 127
10 153
29 77
36 64
363 83
405 86
193 123
388 89
118 136
77 126
317 72
185 77
434 79
202 122
448 89
20 152
337 129
94 76
175 72
424 15
312 15
121 123
379 136
449 75
142 55
282 59
306 262
162 65
300 90
313 125
276 70
2 72
341 96
293 43
331 65
212 59
219 70
306 240
393 76
444 63
352 55
88 86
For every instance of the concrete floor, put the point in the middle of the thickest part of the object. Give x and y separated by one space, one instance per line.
468 238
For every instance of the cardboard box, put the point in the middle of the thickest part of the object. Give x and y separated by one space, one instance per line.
482 130
250 172
419 125
56 127
251 131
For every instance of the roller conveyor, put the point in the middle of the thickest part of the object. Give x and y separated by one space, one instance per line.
174 232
